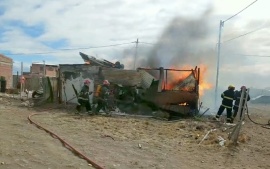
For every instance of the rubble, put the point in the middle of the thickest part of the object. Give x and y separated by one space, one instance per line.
206 135
140 146
221 141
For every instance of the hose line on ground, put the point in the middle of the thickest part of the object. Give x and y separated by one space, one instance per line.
267 126
65 144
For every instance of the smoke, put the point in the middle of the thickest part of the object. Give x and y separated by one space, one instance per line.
184 42
190 42
193 42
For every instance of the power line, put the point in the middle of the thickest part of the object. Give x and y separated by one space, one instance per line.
240 11
252 55
80 48
147 43
243 35
66 49
219 46
38 53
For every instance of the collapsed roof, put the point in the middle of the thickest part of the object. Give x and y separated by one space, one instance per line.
97 62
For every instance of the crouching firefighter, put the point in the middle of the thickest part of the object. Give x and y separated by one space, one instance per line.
237 98
227 103
83 98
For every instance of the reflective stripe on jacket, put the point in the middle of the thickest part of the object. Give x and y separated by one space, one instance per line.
84 93
228 97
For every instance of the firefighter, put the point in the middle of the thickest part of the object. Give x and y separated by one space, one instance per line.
104 93
237 97
83 97
227 102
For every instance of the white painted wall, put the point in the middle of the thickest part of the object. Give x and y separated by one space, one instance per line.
68 94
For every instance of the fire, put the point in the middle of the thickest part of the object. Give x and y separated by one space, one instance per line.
183 104
203 84
176 77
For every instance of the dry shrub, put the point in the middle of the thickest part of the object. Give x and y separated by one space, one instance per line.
211 125
211 139
230 144
200 127
243 138
182 126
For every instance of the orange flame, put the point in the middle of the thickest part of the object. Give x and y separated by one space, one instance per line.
176 77
203 84
183 104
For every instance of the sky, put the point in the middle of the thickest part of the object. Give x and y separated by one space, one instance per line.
170 34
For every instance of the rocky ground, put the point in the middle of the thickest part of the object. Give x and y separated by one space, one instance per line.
124 142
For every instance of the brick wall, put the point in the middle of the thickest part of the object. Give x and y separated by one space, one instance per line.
6 66
50 70
37 69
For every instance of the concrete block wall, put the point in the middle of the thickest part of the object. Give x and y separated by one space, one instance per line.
6 66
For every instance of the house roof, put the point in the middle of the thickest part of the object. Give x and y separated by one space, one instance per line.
43 64
96 62
5 57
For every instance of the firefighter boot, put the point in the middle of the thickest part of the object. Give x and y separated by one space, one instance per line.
229 120
217 118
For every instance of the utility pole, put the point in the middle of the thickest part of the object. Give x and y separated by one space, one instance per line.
21 69
218 56
219 45
21 85
135 57
44 68
17 79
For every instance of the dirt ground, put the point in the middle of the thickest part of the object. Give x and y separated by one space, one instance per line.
121 142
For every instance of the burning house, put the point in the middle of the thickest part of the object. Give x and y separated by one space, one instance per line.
175 90
157 88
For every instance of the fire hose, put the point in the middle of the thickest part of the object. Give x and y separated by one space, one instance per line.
267 125
65 144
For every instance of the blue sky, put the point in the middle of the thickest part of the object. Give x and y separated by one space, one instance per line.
48 26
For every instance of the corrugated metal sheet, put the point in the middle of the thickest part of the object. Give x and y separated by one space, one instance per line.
123 77
128 77
146 79
188 84
169 97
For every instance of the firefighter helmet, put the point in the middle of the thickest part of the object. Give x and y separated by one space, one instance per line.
231 87
87 81
243 87
106 82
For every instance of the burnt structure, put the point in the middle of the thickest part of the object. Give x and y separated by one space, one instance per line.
173 94
175 91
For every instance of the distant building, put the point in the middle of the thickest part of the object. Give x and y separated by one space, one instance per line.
15 81
6 66
38 70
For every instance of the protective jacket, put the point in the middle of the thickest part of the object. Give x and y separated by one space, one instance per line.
237 97
84 93
104 92
228 97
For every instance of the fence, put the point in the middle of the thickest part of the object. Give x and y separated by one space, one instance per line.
48 84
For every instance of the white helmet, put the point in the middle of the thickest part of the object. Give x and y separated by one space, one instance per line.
106 82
